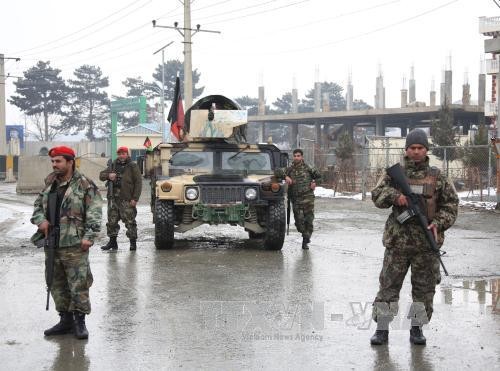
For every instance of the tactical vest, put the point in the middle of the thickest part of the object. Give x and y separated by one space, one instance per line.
302 178
426 189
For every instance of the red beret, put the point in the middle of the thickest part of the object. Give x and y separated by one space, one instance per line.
62 151
122 149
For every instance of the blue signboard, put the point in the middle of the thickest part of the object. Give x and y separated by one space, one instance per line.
15 133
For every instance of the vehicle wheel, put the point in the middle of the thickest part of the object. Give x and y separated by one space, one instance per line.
164 224
276 226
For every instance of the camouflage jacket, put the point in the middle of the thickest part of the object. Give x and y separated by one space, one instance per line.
302 175
80 213
410 233
128 185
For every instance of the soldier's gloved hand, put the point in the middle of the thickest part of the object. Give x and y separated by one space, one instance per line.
434 229
86 245
288 180
401 200
112 176
44 227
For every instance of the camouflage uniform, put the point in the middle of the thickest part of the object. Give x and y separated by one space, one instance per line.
126 187
406 244
79 219
301 195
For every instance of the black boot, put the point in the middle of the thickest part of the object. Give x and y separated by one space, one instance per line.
112 244
79 327
65 325
305 241
133 245
380 337
417 336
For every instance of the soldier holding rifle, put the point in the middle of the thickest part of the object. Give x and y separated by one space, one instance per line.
423 208
68 215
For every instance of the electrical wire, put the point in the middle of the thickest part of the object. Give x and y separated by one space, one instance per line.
90 33
78 31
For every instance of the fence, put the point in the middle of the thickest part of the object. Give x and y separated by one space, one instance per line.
472 169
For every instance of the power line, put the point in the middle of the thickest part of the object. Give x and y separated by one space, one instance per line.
361 34
65 56
315 22
240 9
80 30
90 33
261 12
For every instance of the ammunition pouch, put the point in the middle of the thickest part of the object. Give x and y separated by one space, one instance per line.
404 215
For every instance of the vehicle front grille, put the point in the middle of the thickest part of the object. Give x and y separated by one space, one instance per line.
216 194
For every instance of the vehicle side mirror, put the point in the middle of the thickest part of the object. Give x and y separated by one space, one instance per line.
283 159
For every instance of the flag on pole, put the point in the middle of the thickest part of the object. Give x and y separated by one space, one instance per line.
148 144
176 113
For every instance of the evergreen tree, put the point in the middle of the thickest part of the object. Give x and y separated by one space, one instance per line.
336 99
249 103
444 135
478 157
172 68
283 104
88 106
360 104
345 148
41 92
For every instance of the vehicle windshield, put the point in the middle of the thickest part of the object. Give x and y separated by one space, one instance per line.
192 160
250 161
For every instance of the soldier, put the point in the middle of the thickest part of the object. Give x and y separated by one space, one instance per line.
78 216
301 179
405 241
125 177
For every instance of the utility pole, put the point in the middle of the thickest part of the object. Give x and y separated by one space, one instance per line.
3 141
164 129
187 32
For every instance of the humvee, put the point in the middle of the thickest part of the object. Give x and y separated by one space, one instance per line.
214 177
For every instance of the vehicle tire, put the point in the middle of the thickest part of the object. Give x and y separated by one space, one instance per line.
164 224
276 225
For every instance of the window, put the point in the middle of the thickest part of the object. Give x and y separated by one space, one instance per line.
250 161
192 160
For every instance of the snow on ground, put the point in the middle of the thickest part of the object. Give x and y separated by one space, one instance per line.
467 198
15 216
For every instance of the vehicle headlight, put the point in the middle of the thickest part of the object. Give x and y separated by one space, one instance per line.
191 193
250 194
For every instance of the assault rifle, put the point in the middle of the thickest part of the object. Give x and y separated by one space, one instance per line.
398 177
51 241
287 214
110 183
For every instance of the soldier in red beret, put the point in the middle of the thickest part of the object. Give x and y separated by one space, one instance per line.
125 177
68 215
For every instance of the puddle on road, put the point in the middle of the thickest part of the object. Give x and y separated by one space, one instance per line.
484 293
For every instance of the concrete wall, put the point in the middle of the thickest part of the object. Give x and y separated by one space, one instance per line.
34 169
82 148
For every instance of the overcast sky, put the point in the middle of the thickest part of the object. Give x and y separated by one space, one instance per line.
277 43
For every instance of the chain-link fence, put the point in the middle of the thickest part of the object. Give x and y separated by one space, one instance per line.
472 169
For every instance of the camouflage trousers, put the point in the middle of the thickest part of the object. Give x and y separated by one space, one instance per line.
122 210
425 276
72 279
303 213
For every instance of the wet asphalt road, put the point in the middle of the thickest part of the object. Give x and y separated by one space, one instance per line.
218 301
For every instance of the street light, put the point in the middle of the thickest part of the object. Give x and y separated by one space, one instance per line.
164 131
